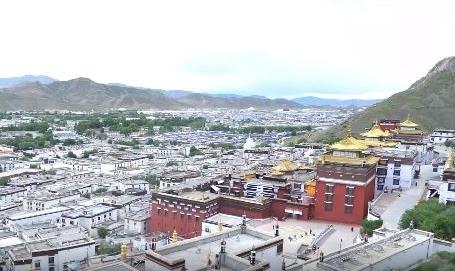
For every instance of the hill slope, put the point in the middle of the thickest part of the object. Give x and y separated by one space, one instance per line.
430 101
83 94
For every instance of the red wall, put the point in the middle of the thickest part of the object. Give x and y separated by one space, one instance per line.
362 196
188 225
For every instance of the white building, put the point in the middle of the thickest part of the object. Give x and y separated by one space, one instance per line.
11 194
395 169
59 253
51 215
440 136
42 200
90 217
138 222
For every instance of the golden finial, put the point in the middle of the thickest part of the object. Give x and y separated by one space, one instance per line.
174 236
123 251
449 162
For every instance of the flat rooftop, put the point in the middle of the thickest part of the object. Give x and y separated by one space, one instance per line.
226 220
196 251
360 257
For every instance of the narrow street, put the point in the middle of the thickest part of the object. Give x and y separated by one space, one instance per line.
396 205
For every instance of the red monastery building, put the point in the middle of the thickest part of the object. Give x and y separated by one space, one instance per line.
345 182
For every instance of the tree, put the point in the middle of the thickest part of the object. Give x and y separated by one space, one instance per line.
442 261
100 190
194 151
152 179
431 216
107 248
70 154
368 226
102 232
4 181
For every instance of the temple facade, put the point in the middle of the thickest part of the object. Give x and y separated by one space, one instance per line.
345 182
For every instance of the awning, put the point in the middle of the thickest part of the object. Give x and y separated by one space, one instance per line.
215 188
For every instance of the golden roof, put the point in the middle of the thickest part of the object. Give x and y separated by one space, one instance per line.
376 131
349 143
408 123
374 144
449 162
5 150
277 173
305 167
410 132
357 161
285 166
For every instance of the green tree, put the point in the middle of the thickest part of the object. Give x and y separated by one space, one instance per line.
71 154
4 181
431 216
102 232
368 226
194 151
107 248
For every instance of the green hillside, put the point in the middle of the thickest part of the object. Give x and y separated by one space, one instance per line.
430 102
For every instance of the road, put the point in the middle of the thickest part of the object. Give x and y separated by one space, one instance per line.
397 205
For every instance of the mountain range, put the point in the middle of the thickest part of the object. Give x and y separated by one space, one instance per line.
430 102
82 94
14 81
316 101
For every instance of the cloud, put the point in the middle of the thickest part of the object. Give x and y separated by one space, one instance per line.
277 48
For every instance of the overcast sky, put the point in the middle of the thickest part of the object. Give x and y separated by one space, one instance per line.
343 48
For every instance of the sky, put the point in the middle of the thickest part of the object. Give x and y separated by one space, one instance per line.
326 48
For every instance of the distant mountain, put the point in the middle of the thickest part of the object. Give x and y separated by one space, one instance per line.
13 81
430 102
230 96
175 94
83 94
316 101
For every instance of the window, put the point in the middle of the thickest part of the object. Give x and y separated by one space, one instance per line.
435 169
99 218
397 163
396 181
328 197
350 190
329 188
349 200
348 209
383 162
328 206
396 172
451 187
51 259
51 268
380 187
381 171
381 180
37 264
105 215
450 202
